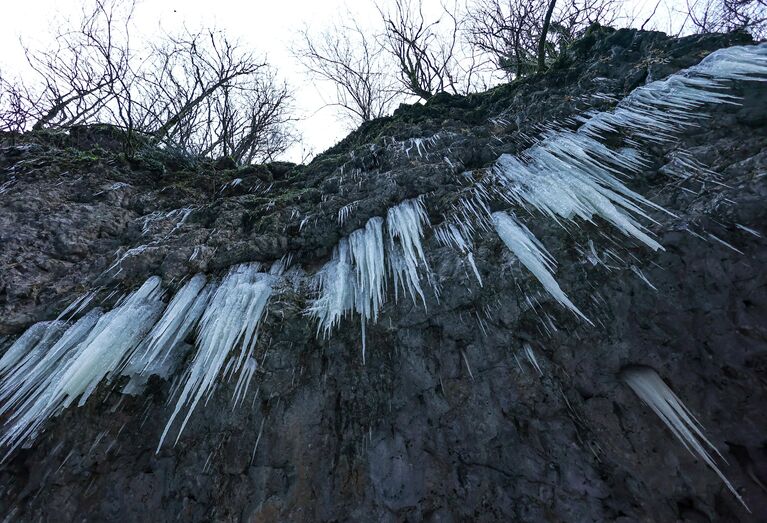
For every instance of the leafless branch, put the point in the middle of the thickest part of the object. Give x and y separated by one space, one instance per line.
356 63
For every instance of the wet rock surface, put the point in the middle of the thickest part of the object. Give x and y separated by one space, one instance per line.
448 420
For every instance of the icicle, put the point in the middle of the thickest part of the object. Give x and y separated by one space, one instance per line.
570 174
532 255
466 362
112 341
721 241
241 390
364 341
450 236
72 370
34 340
636 270
180 317
654 392
367 254
335 282
748 230
345 211
659 109
29 376
74 308
258 439
353 279
562 178
231 319
405 224
531 357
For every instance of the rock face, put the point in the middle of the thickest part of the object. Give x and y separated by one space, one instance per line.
449 419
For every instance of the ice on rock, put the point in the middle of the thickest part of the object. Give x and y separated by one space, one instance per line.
335 284
91 350
111 342
24 380
654 392
353 280
367 255
563 178
32 343
660 109
25 391
157 353
570 174
405 223
531 358
566 175
450 235
533 255
231 320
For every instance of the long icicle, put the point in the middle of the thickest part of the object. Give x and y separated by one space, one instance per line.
231 319
654 392
533 255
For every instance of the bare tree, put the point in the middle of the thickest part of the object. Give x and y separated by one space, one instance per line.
426 57
544 34
198 92
503 30
512 31
207 62
203 94
721 16
248 121
18 105
80 74
357 64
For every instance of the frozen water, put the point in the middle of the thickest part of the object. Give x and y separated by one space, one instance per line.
533 255
231 320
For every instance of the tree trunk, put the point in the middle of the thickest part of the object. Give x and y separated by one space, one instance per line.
542 41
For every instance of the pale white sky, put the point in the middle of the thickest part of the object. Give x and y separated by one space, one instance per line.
267 27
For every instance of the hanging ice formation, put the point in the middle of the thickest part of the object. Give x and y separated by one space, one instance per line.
51 366
354 280
158 352
654 392
334 283
563 178
32 344
405 224
571 174
449 235
531 358
567 175
91 350
41 360
231 320
533 255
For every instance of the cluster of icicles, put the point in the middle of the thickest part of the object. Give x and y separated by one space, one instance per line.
568 175
53 364
354 280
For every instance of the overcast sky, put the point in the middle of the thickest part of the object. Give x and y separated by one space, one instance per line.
267 27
